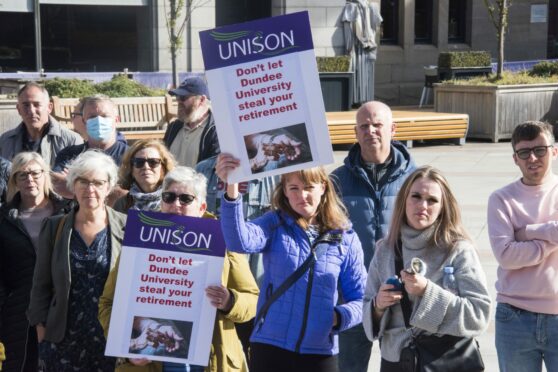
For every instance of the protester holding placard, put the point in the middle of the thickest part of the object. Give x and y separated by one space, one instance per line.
79 250
184 192
143 168
309 251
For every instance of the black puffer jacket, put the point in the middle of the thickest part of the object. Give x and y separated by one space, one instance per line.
17 262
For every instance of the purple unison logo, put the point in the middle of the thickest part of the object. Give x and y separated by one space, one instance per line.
245 43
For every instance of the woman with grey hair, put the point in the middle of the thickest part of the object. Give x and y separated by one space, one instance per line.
30 201
79 251
184 192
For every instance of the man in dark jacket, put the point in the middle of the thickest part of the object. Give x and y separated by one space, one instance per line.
5 169
368 182
192 138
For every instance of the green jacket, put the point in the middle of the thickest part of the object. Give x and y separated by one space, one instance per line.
52 277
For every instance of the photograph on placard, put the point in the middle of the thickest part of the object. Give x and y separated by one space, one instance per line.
162 337
278 148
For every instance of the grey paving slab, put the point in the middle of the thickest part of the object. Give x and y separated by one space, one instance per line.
474 171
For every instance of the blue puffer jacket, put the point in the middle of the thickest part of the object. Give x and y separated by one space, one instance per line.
370 209
290 323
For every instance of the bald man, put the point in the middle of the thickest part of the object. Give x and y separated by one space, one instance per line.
368 182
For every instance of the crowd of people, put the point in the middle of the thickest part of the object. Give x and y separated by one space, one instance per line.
318 266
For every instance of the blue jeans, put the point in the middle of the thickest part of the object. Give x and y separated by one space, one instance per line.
525 339
354 350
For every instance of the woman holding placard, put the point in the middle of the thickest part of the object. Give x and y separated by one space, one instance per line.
184 192
309 251
79 250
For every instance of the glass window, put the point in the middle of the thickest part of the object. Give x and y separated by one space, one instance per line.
457 21
423 22
390 26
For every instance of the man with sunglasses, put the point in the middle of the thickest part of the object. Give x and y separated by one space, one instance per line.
192 137
523 231
100 116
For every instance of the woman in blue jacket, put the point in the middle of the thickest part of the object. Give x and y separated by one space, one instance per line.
296 329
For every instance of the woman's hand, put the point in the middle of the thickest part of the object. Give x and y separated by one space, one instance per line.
139 361
415 284
40 332
220 297
386 297
225 164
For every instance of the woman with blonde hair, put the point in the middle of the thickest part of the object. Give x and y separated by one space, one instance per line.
309 252
441 287
143 169
30 200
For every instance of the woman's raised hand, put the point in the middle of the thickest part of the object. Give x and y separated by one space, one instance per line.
225 164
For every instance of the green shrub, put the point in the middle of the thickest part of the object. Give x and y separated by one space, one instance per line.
464 59
118 86
508 78
544 69
121 86
333 64
68 88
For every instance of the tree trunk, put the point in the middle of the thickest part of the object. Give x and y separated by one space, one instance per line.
173 43
502 36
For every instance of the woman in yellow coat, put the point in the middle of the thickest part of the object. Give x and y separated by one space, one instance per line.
184 193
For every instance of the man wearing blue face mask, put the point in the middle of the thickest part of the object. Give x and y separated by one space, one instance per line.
100 116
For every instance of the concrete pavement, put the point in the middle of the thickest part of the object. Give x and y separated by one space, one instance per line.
474 171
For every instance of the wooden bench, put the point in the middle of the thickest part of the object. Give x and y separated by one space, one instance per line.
136 113
410 126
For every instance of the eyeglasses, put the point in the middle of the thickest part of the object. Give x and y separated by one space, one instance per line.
140 162
170 197
83 183
35 174
539 152
73 115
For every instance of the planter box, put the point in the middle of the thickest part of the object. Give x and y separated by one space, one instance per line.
337 90
447 73
494 111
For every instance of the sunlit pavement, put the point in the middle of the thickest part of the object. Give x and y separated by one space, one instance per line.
474 171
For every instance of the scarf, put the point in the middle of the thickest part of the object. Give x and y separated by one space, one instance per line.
150 201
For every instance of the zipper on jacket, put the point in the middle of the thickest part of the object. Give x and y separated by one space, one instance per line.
306 307
26 345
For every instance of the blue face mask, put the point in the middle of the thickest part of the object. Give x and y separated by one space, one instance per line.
100 128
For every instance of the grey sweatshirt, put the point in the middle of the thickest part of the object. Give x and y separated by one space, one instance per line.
437 311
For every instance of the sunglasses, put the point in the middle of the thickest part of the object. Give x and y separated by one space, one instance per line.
539 152
170 197
140 162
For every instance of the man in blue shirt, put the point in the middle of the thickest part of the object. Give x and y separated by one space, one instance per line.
100 116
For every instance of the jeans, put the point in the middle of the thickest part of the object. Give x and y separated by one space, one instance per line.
354 350
525 339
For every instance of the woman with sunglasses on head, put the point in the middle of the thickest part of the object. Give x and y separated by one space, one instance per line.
143 168
426 229
79 250
30 200
184 192
307 233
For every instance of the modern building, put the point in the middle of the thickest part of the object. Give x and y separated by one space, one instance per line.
110 35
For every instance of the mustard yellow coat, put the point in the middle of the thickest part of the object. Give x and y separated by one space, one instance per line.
226 350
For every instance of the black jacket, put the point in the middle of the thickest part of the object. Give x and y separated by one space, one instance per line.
209 144
17 262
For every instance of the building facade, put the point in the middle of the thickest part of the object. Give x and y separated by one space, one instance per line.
110 35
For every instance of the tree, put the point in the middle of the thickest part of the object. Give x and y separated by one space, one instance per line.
176 24
499 12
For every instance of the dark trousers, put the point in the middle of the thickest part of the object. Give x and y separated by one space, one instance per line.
267 358
386 366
